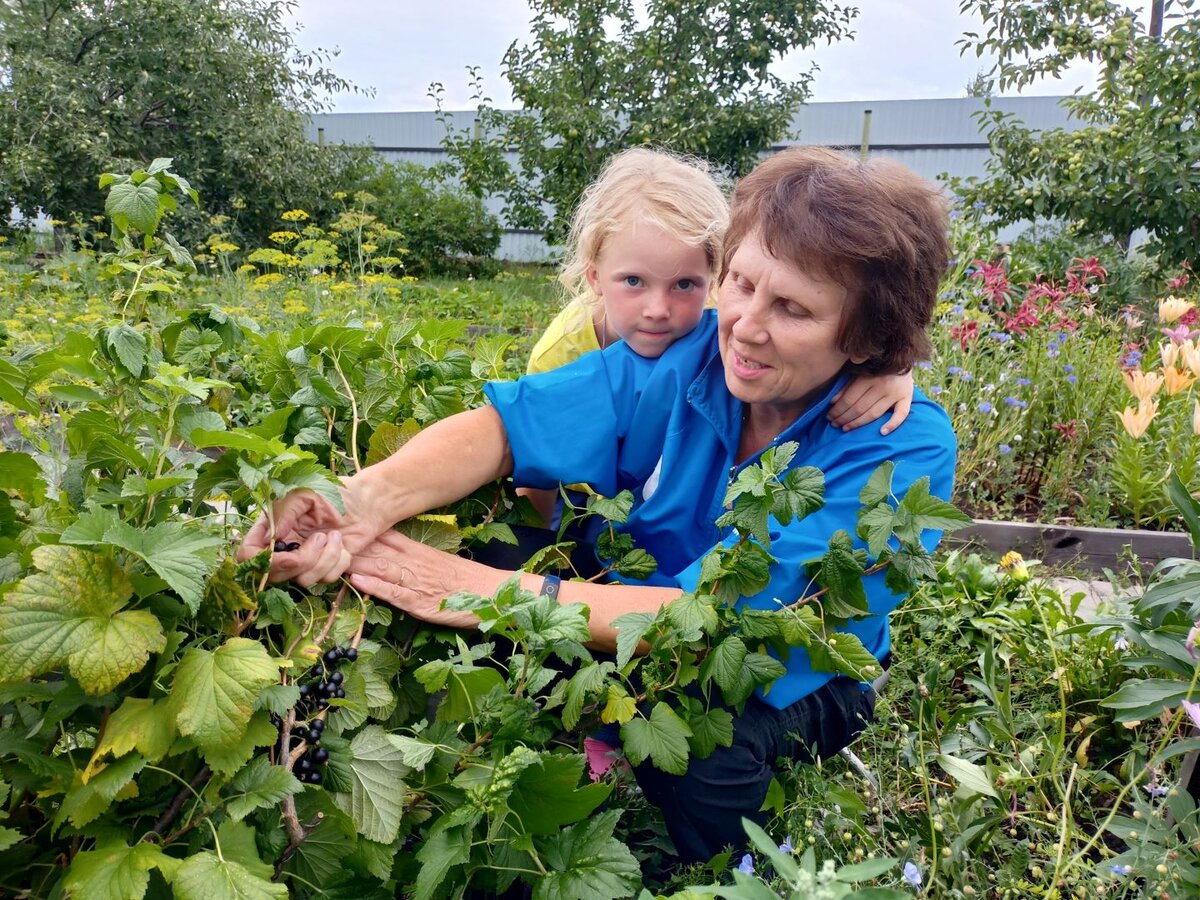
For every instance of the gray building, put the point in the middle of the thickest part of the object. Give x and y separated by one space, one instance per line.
933 137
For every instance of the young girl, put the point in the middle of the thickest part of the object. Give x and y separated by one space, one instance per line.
642 262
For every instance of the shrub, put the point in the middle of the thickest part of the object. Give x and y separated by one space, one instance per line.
446 230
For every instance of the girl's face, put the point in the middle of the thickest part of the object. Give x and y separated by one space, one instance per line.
653 287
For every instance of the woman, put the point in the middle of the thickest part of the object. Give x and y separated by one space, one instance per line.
831 268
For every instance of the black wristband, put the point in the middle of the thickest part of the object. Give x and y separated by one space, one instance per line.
550 587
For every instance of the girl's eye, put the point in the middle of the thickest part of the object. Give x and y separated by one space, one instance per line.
686 284
632 281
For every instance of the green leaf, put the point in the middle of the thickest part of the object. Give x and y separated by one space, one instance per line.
377 789
971 778
878 488
259 732
131 347
875 527
183 559
802 495
619 706
86 801
929 512
724 663
868 869
415 752
205 876
257 785
69 613
841 571
90 527
614 509
637 563
432 532
464 692
115 871
547 797
1187 505
132 205
1146 698
693 615
387 438
631 627
711 729
586 681
445 849
663 739
143 725
840 651
750 515
20 472
585 860
214 693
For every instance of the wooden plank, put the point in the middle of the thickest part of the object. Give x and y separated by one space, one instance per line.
1093 549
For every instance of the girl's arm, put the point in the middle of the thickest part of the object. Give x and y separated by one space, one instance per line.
867 397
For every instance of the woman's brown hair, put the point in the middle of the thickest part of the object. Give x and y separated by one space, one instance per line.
875 227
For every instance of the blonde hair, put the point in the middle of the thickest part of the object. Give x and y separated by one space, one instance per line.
675 193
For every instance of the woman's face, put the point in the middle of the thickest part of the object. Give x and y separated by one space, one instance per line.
778 331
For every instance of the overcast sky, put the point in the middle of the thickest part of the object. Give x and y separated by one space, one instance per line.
903 49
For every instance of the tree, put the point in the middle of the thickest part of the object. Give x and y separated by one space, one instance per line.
88 86
1133 162
597 77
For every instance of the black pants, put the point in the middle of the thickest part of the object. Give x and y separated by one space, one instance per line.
703 808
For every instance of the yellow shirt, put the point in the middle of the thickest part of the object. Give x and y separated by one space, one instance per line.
568 337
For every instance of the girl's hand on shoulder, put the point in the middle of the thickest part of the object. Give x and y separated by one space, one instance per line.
867 397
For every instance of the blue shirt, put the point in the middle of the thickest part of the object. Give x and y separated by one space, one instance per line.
668 430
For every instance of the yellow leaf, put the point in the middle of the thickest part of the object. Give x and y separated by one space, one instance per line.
620 707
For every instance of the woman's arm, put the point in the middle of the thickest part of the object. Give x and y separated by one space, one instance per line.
441 464
415 578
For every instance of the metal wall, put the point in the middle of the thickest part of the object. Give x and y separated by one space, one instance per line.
935 138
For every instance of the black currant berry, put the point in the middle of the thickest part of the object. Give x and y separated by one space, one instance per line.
331 656
323 703
281 546
340 693
317 725
320 755
304 690
316 671
336 678
300 730
313 736
304 764
292 546
313 777
351 654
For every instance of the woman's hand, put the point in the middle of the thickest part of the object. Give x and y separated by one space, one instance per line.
326 537
415 578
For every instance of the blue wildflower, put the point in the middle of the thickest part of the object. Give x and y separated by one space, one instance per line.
954 370
985 407
1131 359
1072 378
1005 449
924 364
1117 869
1013 401
1002 336
978 204
965 376
1156 790
746 866
957 308
1068 368
912 874
954 213
786 846
935 390
1052 350
1023 382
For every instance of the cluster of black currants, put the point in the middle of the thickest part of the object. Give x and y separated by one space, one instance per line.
286 547
324 685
